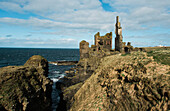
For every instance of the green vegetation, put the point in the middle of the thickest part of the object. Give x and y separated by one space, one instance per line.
125 54
161 56
123 75
99 109
168 72
98 104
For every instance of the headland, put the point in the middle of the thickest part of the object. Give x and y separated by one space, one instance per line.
104 79
122 79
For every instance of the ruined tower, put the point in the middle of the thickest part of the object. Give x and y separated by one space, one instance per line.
84 49
96 37
118 39
103 42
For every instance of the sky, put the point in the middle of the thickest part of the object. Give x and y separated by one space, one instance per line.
64 23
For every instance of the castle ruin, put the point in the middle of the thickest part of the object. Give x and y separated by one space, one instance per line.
119 37
103 44
119 44
84 49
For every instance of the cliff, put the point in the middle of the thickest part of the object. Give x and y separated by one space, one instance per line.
26 88
74 79
126 82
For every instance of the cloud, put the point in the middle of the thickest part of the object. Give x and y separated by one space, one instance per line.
136 15
149 40
29 35
60 6
78 13
8 35
91 11
134 4
11 6
142 15
83 18
47 24
137 41
28 42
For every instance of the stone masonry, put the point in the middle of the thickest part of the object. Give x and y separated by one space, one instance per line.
103 44
119 37
84 49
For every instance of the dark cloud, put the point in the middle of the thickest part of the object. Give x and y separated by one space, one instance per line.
8 35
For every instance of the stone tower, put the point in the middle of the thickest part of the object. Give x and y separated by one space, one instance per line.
84 49
96 37
118 39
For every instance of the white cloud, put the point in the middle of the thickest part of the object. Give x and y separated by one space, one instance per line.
44 23
28 42
11 6
137 41
149 40
133 4
144 12
89 13
81 17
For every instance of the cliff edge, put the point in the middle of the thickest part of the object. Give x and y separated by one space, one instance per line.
127 82
26 88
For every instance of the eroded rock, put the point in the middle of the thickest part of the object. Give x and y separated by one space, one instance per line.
26 88
125 83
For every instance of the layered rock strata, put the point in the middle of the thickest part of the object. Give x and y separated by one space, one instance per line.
26 88
75 78
125 83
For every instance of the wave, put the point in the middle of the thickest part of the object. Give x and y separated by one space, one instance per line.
61 76
54 64
54 79
56 72
57 79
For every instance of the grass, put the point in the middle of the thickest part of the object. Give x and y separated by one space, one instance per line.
125 54
161 56
99 109
168 72
123 75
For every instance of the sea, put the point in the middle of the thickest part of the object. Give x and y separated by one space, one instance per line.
18 56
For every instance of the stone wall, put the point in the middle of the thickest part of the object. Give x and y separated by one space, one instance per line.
103 42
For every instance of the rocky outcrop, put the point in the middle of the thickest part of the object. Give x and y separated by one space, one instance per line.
26 88
75 78
125 83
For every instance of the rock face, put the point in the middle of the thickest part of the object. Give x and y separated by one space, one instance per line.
110 80
75 79
26 88
125 83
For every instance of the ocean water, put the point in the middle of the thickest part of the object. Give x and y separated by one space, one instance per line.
18 56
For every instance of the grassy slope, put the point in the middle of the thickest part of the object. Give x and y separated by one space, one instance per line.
161 56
